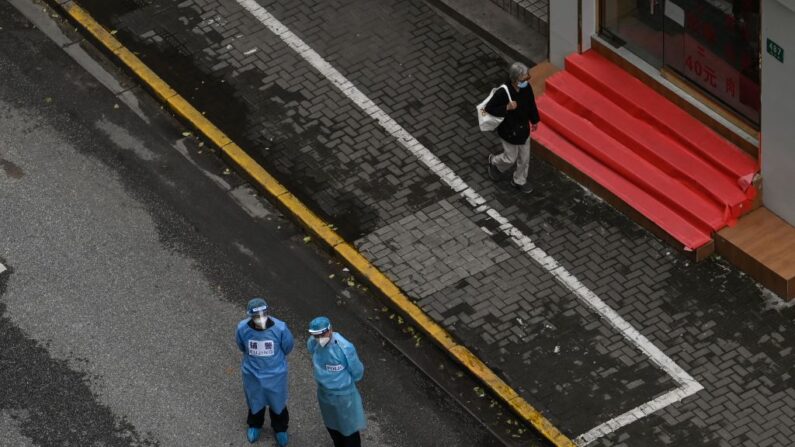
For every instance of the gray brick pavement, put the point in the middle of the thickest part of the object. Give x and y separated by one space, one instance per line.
338 159
431 249
559 354
709 318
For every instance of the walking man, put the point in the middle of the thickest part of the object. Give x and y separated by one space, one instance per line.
337 369
520 117
265 343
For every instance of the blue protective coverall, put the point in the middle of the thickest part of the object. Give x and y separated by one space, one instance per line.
264 364
337 369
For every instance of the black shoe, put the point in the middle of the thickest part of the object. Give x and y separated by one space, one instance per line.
494 173
527 188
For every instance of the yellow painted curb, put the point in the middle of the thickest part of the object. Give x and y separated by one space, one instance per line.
91 25
184 109
256 172
157 85
317 226
310 220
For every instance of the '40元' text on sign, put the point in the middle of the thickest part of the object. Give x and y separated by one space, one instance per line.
774 50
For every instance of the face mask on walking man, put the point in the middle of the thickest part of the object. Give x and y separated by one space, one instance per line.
265 343
337 368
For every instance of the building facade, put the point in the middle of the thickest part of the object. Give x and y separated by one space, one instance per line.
729 59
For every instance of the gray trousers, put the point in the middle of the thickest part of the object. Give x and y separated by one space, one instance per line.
518 154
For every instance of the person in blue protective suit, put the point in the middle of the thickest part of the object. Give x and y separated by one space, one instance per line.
265 343
337 368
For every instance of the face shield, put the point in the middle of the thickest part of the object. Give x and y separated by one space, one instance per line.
259 316
320 329
323 338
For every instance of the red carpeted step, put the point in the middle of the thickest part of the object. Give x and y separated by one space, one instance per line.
691 236
697 208
644 103
647 142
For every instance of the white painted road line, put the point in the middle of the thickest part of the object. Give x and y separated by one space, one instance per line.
2 268
639 412
687 385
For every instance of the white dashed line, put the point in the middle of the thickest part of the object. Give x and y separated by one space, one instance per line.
687 385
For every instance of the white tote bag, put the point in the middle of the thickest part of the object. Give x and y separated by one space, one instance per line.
488 122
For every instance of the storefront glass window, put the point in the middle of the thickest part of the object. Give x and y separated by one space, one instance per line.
713 44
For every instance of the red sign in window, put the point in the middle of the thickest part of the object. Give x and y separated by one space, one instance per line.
716 76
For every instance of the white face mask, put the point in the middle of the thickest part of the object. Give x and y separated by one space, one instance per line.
260 321
323 341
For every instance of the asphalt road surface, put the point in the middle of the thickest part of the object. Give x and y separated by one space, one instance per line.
131 251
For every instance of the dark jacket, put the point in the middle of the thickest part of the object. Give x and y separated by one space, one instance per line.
515 128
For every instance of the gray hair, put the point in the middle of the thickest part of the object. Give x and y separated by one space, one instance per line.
517 71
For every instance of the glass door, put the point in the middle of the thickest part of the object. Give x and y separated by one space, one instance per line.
637 25
712 44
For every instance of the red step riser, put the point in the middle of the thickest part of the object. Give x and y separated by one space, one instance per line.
693 217
644 149
667 219
582 142
623 137
739 164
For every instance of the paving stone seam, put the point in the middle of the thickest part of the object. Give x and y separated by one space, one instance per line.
687 385
313 223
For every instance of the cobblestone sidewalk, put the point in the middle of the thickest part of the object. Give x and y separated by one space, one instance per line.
733 337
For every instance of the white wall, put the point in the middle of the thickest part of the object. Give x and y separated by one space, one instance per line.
589 22
778 109
563 26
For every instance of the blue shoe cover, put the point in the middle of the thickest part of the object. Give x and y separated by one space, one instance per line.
253 434
281 438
